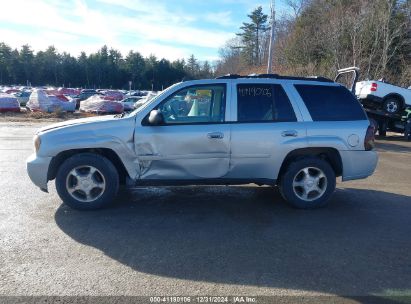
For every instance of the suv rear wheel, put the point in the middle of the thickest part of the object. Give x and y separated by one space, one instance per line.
87 181
392 105
308 183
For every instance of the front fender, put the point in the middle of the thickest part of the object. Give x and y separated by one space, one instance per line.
116 135
125 153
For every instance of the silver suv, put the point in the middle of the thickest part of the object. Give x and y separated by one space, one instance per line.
295 133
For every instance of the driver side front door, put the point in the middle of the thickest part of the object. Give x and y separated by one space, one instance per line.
193 142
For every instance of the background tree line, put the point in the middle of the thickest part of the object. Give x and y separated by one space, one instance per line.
106 68
320 36
317 37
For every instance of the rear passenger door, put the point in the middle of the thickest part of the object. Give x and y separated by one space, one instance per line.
267 126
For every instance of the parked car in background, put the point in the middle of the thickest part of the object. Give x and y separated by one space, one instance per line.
295 133
141 101
42 101
11 91
85 94
113 95
69 92
129 102
381 119
8 103
22 97
89 91
144 99
138 93
381 95
101 105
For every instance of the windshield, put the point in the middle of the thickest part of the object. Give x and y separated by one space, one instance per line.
151 100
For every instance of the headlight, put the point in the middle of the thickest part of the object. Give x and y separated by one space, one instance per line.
37 143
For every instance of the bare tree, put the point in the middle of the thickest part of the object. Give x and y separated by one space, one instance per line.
297 6
324 35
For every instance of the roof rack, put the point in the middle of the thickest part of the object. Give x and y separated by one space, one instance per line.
230 76
276 76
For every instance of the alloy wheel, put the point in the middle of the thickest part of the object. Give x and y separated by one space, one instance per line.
309 184
85 183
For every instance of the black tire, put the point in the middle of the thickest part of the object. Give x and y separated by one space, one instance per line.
392 105
374 123
407 131
105 169
382 129
287 179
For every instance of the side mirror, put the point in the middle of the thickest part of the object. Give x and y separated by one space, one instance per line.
156 118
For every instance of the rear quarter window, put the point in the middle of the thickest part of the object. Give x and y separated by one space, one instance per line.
330 103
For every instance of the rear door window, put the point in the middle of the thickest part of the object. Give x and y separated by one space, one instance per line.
330 103
263 103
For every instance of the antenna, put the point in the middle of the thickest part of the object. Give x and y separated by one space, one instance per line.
271 47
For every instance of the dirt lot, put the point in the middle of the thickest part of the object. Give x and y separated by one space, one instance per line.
40 117
207 240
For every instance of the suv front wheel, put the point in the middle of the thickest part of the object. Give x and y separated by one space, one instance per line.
308 183
87 181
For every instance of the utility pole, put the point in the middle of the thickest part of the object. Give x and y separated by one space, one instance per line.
271 47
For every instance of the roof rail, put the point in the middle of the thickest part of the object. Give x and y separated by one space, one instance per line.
276 76
229 76
263 76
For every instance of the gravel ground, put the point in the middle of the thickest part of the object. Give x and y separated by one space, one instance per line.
27 116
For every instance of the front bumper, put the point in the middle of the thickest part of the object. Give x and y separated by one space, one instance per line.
37 168
358 164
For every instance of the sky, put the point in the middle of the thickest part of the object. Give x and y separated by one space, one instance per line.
170 29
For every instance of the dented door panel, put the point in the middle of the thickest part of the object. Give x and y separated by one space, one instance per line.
183 151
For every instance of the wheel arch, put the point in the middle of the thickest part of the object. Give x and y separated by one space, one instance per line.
108 153
331 155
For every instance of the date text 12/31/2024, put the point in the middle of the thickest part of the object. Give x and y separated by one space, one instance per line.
203 299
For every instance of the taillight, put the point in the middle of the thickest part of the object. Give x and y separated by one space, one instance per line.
369 140
374 87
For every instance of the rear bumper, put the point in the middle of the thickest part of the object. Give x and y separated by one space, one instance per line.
37 168
358 164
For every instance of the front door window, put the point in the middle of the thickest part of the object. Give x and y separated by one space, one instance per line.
194 105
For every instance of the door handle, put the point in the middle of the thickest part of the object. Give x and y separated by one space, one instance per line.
289 133
215 135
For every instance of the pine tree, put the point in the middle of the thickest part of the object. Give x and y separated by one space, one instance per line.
192 67
135 66
26 59
206 71
5 58
251 36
